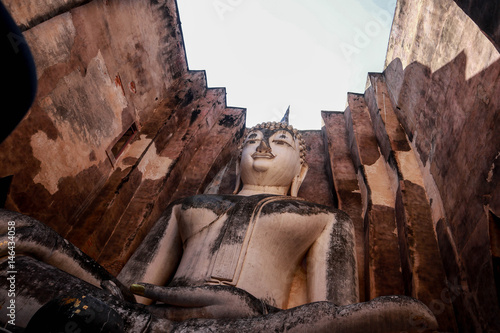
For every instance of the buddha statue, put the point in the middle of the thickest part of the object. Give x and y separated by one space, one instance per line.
261 259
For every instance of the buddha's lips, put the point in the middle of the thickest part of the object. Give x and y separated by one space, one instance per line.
263 155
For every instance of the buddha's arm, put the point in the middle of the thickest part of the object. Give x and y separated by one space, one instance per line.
219 301
156 259
331 263
23 235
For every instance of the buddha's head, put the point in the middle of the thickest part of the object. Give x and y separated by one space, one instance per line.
273 155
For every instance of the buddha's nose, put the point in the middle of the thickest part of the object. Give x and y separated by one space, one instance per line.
263 147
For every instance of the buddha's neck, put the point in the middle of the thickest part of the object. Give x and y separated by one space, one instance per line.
258 189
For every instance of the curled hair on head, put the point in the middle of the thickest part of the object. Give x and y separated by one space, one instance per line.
289 128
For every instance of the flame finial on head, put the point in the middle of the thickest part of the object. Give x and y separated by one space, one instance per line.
285 120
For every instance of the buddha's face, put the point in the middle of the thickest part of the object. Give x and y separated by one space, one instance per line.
270 158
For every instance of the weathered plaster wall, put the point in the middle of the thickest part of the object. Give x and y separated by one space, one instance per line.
443 76
485 14
317 186
345 183
424 146
27 14
101 66
82 105
379 183
433 33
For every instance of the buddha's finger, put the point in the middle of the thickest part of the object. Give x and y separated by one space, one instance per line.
178 296
212 311
178 313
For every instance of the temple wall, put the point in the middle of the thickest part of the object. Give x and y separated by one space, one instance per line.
443 77
423 144
106 69
28 14
433 33
378 182
485 14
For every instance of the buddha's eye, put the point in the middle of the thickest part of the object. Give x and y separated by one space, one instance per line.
281 142
251 139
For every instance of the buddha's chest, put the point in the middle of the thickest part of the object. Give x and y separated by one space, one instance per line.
263 234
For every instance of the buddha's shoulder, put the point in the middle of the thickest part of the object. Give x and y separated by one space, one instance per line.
269 204
300 206
215 202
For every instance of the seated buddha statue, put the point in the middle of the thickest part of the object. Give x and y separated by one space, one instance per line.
261 259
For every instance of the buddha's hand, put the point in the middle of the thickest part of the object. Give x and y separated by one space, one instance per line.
181 303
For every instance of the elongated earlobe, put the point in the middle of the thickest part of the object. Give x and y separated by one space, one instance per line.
298 179
238 177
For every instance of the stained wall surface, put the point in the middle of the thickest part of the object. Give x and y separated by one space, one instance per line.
103 68
485 14
443 77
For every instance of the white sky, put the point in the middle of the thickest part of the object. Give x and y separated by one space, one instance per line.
273 53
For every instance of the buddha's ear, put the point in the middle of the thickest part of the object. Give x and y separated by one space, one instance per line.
238 177
298 179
